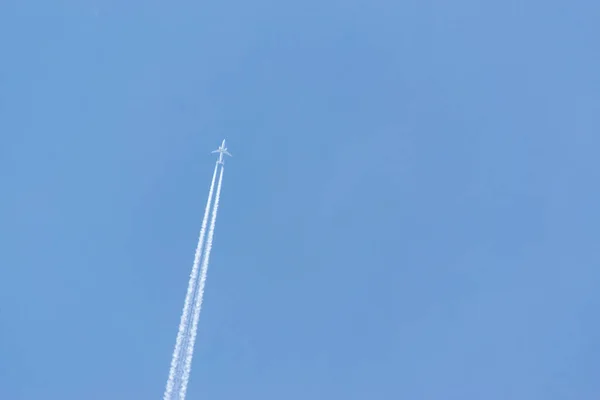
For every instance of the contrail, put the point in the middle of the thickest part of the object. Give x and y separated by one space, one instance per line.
198 305
183 324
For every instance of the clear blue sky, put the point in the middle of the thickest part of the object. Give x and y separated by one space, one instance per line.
412 210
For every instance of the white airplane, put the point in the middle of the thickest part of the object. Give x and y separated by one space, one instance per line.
221 150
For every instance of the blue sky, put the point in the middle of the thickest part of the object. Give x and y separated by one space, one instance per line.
411 210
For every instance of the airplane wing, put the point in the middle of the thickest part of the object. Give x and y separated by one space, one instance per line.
215 151
228 153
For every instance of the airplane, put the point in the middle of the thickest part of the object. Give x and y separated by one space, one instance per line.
221 150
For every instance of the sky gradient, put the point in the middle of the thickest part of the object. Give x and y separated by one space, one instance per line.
411 211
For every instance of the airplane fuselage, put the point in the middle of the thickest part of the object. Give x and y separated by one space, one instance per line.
222 150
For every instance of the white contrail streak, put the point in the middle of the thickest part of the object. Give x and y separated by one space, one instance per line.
198 305
184 322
